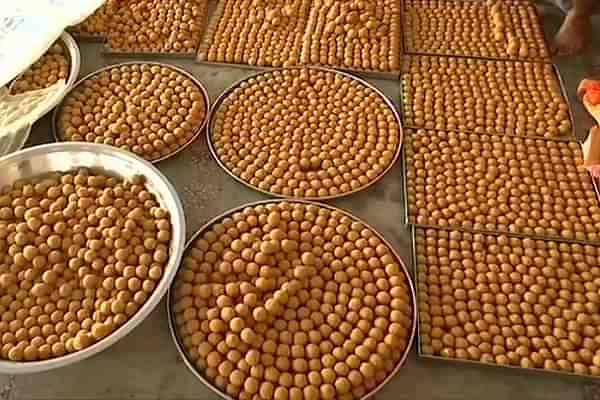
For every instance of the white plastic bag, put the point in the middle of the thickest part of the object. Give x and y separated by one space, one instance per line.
29 27
17 111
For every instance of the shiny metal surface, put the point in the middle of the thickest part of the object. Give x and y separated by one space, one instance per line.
68 156
199 84
74 59
230 89
411 286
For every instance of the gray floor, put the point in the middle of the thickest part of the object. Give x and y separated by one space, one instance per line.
145 365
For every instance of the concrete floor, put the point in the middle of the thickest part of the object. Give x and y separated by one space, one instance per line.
145 365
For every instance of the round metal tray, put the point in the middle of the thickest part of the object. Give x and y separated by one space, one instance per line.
222 97
413 330
74 66
199 84
68 156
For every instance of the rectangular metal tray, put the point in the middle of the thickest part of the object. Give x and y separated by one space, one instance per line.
564 93
363 74
213 21
404 160
425 53
111 52
472 363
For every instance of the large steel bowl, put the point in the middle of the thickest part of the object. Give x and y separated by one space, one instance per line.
112 161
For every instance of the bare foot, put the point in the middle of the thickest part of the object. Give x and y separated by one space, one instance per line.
574 34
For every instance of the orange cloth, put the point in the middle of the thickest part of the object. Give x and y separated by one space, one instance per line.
589 91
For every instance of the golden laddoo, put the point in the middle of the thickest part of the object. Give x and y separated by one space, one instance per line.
484 96
80 253
351 34
509 300
493 29
97 24
157 26
256 32
53 66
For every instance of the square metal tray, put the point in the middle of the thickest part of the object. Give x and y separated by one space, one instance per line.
404 160
108 51
213 20
472 363
547 60
561 83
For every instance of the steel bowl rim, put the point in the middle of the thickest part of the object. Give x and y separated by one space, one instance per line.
75 55
387 101
162 287
410 283
188 74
